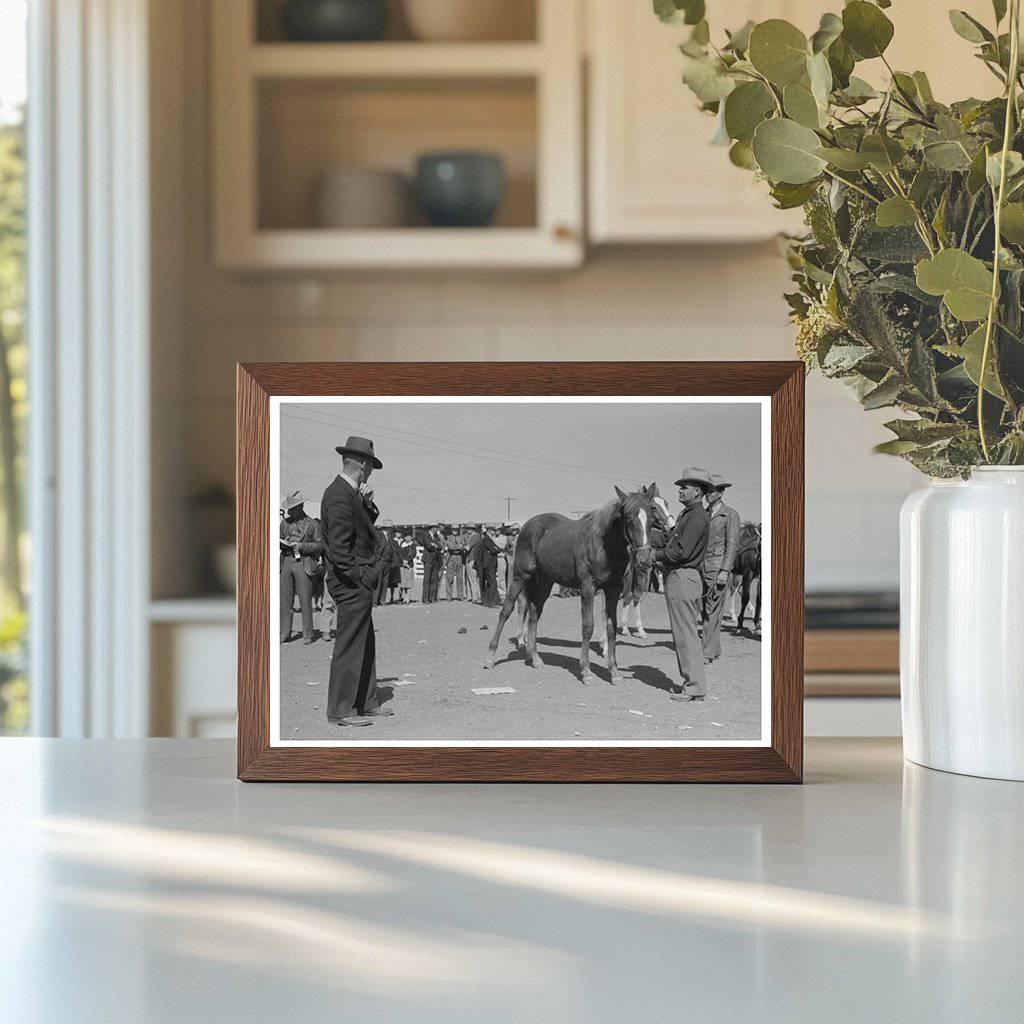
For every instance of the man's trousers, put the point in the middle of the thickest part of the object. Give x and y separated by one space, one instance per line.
295 581
684 595
352 689
714 606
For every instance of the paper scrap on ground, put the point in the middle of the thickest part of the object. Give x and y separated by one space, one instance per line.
487 691
402 682
632 712
686 727
312 682
720 725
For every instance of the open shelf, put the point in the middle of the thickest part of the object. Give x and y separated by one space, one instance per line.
286 114
391 60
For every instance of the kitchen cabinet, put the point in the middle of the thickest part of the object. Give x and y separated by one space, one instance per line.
654 177
286 114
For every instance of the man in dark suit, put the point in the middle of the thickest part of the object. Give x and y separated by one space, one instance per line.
347 515
489 570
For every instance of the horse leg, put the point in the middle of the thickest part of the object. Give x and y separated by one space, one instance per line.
640 631
757 607
744 601
611 603
521 615
587 610
506 611
536 594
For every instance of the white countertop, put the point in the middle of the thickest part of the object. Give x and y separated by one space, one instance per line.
140 882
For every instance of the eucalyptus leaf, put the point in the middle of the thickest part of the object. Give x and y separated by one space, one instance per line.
924 88
947 156
883 152
819 75
857 91
787 152
788 196
895 447
745 108
969 28
999 9
829 30
741 155
801 106
971 351
844 159
963 281
1012 223
841 62
866 29
739 41
993 167
885 394
894 212
708 80
779 51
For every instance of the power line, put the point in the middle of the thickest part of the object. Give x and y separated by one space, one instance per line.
521 460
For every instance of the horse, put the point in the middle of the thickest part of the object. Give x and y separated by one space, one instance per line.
637 582
588 554
748 569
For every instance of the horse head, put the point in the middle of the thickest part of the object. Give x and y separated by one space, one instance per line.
638 516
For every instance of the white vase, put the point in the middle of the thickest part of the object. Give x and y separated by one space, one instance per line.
962 624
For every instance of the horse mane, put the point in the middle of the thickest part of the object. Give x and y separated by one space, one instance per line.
605 516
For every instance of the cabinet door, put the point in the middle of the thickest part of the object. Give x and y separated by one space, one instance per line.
654 177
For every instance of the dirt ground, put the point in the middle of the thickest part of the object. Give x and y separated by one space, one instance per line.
429 657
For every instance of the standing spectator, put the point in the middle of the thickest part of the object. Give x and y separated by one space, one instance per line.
455 568
431 563
395 568
385 551
489 570
473 564
348 514
300 566
723 544
407 556
682 559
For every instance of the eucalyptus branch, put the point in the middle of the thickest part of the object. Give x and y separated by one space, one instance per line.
853 185
1011 109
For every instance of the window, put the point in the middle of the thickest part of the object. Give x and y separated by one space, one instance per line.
14 691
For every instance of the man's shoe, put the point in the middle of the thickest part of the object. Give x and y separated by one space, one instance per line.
306 643
354 720
379 713
686 697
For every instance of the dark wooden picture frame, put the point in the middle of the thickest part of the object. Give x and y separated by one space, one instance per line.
781 761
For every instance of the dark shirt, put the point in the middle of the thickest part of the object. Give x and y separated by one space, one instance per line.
304 532
685 546
349 535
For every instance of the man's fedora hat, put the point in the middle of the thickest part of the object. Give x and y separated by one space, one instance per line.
289 501
695 475
361 446
719 483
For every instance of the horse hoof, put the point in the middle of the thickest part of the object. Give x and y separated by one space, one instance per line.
615 680
641 633
587 680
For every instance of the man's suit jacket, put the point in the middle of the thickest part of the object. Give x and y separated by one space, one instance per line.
723 539
349 535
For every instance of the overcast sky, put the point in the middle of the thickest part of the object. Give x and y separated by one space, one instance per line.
458 461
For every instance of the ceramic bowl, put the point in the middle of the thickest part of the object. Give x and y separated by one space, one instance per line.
460 189
333 21
470 20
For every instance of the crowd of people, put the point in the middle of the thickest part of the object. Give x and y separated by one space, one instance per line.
343 565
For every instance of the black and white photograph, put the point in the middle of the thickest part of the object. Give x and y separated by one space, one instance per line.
520 571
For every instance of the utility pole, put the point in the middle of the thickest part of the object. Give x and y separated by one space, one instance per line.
508 508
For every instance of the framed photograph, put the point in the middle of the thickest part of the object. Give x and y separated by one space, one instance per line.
565 572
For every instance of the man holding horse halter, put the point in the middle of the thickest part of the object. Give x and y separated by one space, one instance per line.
723 544
682 559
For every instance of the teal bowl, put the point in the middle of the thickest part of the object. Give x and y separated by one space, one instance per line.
461 190
334 21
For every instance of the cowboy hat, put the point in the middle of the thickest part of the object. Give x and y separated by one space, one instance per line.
695 475
289 501
361 446
719 483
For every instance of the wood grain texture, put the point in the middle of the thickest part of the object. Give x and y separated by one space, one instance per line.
781 762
